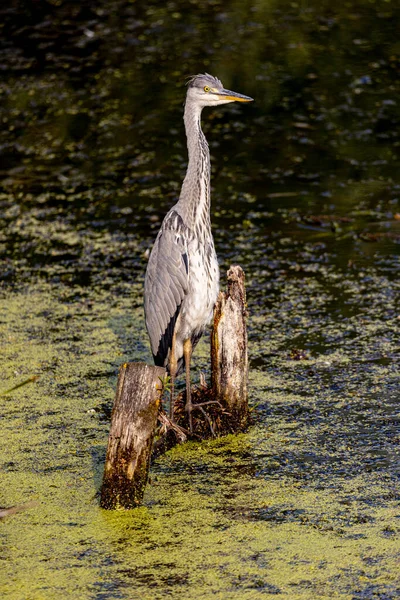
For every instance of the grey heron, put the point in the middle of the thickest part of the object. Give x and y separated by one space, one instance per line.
182 277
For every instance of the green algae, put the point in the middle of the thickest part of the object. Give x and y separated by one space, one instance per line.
240 517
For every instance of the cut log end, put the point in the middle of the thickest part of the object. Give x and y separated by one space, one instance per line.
229 357
133 423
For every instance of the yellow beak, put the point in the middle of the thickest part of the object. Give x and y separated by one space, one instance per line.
233 96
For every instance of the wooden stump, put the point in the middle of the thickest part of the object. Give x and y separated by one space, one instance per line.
133 422
137 402
229 361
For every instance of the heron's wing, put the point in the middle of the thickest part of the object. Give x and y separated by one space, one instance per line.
166 284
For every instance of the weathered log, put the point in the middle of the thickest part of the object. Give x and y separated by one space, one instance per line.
133 423
221 409
229 360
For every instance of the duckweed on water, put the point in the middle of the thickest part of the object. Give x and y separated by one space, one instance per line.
300 505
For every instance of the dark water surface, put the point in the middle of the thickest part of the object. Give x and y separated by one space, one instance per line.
306 187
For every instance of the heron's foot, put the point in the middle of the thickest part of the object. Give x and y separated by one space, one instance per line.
168 424
190 407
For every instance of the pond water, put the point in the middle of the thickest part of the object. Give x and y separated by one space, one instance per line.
306 503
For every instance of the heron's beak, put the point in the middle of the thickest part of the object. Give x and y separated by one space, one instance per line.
233 96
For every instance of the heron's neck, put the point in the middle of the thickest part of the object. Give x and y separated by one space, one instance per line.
194 200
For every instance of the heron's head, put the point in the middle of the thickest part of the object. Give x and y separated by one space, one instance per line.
206 90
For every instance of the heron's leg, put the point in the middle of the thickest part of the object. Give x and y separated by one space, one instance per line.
187 353
173 367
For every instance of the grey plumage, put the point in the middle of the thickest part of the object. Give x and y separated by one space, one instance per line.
182 276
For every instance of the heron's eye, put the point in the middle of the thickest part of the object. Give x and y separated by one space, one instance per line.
206 88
